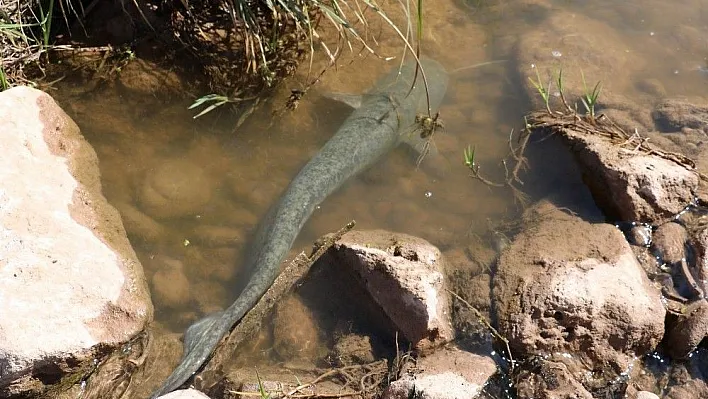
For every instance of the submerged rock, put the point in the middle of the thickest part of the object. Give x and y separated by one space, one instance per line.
140 226
72 287
572 42
295 331
176 188
170 286
569 286
353 349
673 115
404 275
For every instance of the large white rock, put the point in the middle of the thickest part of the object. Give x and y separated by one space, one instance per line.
70 281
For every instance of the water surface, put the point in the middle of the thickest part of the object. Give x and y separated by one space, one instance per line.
192 258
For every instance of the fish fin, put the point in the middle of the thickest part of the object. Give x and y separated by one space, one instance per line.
352 100
200 339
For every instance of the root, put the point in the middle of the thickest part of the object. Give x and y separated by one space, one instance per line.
511 176
491 329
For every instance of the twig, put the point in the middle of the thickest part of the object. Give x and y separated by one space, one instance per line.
511 176
493 330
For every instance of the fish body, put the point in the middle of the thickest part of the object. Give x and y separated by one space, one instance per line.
370 132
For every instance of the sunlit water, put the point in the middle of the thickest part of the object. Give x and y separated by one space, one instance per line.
246 171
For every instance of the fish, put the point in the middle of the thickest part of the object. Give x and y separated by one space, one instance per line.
371 131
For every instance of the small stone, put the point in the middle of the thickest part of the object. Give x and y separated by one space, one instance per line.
217 236
139 225
653 87
353 349
449 373
684 336
170 286
670 241
176 188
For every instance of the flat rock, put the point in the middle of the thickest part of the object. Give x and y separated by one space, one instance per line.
569 286
404 276
673 115
72 286
449 373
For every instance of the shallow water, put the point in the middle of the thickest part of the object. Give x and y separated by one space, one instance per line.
661 45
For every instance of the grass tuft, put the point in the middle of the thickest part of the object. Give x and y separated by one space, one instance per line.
543 91
589 98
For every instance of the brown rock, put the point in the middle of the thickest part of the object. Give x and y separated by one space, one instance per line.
72 286
700 245
550 380
176 188
145 78
404 275
353 349
211 263
449 373
633 186
169 284
570 286
217 236
138 225
684 336
295 331
675 114
669 242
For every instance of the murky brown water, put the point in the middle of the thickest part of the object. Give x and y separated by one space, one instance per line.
154 152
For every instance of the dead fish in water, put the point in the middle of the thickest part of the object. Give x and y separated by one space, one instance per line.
369 133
